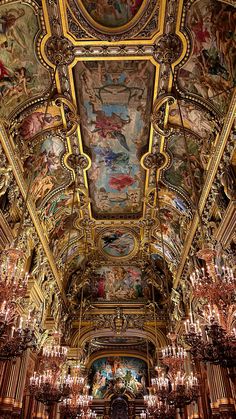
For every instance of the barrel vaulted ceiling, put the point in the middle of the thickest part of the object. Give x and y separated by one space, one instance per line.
111 128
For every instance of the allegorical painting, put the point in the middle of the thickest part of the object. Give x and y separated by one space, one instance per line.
112 13
40 120
115 99
22 76
46 168
194 118
171 198
212 66
117 242
116 283
179 174
119 372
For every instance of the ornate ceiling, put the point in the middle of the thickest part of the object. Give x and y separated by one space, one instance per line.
100 102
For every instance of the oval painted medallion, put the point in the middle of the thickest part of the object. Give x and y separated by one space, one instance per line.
117 243
112 13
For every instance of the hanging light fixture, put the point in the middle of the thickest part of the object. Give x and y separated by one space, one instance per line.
49 388
52 385
18 339
71 407
213 341
13 287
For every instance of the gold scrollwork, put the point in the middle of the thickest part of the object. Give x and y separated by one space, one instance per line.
158 115
70 116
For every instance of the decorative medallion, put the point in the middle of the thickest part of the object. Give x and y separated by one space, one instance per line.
112 14
110 19
117 243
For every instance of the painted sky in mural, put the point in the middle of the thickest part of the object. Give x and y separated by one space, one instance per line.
115 104
113 283
112 13
129 371
21 74
212 66
117 242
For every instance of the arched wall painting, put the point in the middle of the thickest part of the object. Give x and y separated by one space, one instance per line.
112 14
119 283
21 74
115 100
212 66
127 372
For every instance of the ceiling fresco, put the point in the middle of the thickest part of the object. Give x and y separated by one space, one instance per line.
112 14
112 20
211 67
134 106
22 75
119 283
114 99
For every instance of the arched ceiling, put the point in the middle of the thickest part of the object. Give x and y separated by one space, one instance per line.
94 148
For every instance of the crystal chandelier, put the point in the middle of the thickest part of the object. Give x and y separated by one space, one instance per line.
215 340
53 356
160 386
17 339
175 388
51 386
13 279
13 286
71 406
158 409
184 390
48 388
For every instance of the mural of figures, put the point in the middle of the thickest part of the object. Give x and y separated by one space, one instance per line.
194 118
115 104
174 227
37 121
112 13
178 174
46 168
171 198
128 372
212 66
113 283
21 74
117 243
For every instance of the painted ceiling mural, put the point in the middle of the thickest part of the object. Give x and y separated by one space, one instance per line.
212 66
22 76
114 13
99 216
115 101
119 283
